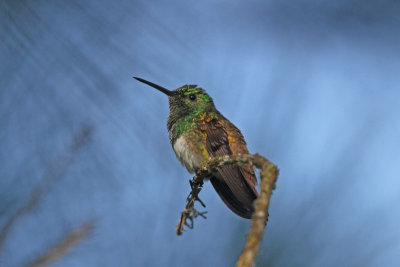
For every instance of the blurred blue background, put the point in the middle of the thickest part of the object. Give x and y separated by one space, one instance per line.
313 85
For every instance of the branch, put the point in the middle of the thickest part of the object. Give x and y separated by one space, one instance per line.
268 176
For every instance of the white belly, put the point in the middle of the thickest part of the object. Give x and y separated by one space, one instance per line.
186 156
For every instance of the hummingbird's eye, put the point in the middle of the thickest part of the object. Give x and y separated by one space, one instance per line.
192 97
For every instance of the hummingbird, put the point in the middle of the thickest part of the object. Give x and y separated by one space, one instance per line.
198 132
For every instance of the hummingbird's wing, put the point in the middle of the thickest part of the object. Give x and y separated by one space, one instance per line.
236 185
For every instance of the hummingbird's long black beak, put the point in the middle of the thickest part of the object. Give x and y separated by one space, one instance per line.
160 88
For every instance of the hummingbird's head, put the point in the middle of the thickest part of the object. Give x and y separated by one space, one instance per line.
185 101
190 99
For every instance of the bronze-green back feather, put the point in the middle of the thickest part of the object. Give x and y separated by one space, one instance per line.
233 186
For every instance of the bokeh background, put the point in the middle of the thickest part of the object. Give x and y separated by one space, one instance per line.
313 85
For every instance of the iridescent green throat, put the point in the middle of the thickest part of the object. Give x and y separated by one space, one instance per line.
187 123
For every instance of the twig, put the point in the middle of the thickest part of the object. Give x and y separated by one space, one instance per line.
59 250
52 174
189 213
268 176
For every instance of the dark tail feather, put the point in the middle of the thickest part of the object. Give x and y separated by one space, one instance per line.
242 208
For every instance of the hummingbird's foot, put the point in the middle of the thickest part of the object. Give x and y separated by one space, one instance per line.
196 184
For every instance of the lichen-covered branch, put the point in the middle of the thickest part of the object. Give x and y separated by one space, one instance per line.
268 176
